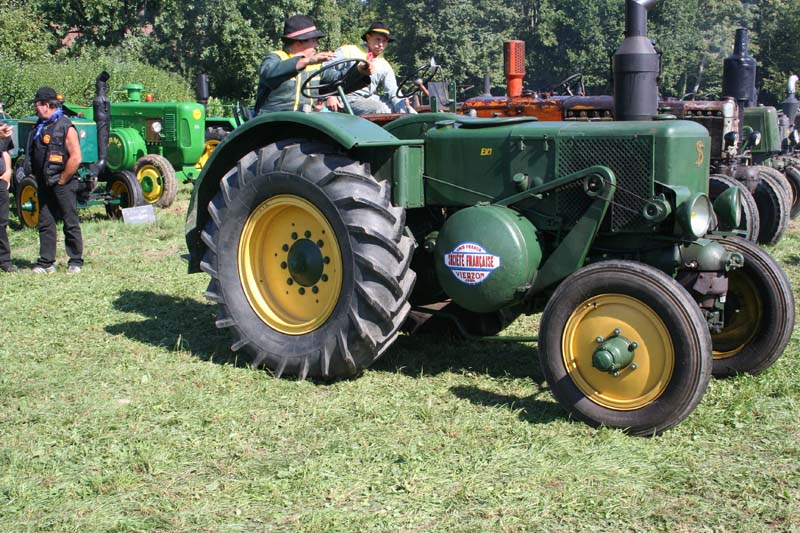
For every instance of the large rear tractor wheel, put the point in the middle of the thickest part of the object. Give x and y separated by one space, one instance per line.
623 345
774 205
759 313
157 179
125 192
719 183
27 199
309 261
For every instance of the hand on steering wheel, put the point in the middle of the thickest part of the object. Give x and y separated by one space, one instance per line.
328 88
417 82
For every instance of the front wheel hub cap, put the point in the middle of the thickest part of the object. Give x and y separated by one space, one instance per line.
614 354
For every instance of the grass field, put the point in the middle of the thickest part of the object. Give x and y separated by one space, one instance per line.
121 409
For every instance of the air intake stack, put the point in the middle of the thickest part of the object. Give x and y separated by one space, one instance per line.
514 66
636 66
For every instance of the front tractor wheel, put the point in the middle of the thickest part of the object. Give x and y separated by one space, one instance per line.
309 260
759 313
27 199
157 180
123 191
623 345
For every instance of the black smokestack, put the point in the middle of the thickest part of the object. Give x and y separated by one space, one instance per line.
636 67
102 117
790 105
202 89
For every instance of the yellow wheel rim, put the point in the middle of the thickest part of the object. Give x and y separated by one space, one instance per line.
152 183
743 316
210 146
118 188
29 194
654 357
290 265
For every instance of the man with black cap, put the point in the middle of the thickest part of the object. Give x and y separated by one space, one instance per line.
283 72
5 184
53 155
366 100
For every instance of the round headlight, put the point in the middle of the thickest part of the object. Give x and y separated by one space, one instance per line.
156 127
728 207
695 215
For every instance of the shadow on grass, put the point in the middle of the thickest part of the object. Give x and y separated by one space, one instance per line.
530 409
418 355
179 324
793 260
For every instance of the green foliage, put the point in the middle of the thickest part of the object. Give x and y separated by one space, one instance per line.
74 77
23 34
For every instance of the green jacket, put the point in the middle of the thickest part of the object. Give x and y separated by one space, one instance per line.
279 82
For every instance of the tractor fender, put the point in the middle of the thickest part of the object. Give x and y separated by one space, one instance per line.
347 131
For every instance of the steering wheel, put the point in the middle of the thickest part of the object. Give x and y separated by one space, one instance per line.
567 84
330 88
416 82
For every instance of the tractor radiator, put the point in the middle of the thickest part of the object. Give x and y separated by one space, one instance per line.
631 160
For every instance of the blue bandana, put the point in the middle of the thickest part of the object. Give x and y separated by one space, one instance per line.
40 124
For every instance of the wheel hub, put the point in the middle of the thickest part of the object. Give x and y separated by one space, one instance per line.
614 354
305 262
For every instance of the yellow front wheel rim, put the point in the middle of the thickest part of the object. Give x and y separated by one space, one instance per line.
743 316
152 183
290 265
29 194
640 383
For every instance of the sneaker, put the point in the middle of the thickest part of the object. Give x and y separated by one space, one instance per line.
73 269
9 268
39 269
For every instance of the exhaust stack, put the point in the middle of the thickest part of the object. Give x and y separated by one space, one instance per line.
201 89
790 105
102 117
636 67
514 66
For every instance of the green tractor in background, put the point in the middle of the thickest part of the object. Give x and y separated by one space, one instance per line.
160 142
113 189
321 231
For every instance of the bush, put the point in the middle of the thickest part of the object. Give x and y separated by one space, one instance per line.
74 77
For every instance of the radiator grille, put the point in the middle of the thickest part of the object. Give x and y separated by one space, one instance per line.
169 127
631 161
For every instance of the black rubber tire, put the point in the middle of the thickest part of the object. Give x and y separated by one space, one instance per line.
216 133
374 245
773 206
679 316
759 312
717 184
25 190
792 174
167 183
123 183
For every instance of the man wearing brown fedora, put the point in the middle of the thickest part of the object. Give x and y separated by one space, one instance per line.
367 100
283 72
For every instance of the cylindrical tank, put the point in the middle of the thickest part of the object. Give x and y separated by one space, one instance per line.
487 257
739 71
636 67
514 66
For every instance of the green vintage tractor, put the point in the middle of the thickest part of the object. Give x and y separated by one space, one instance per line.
114 190
160 142
321 231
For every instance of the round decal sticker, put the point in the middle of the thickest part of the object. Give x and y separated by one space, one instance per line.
470 263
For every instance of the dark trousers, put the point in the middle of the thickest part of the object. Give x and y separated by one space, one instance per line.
59 200
5 249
